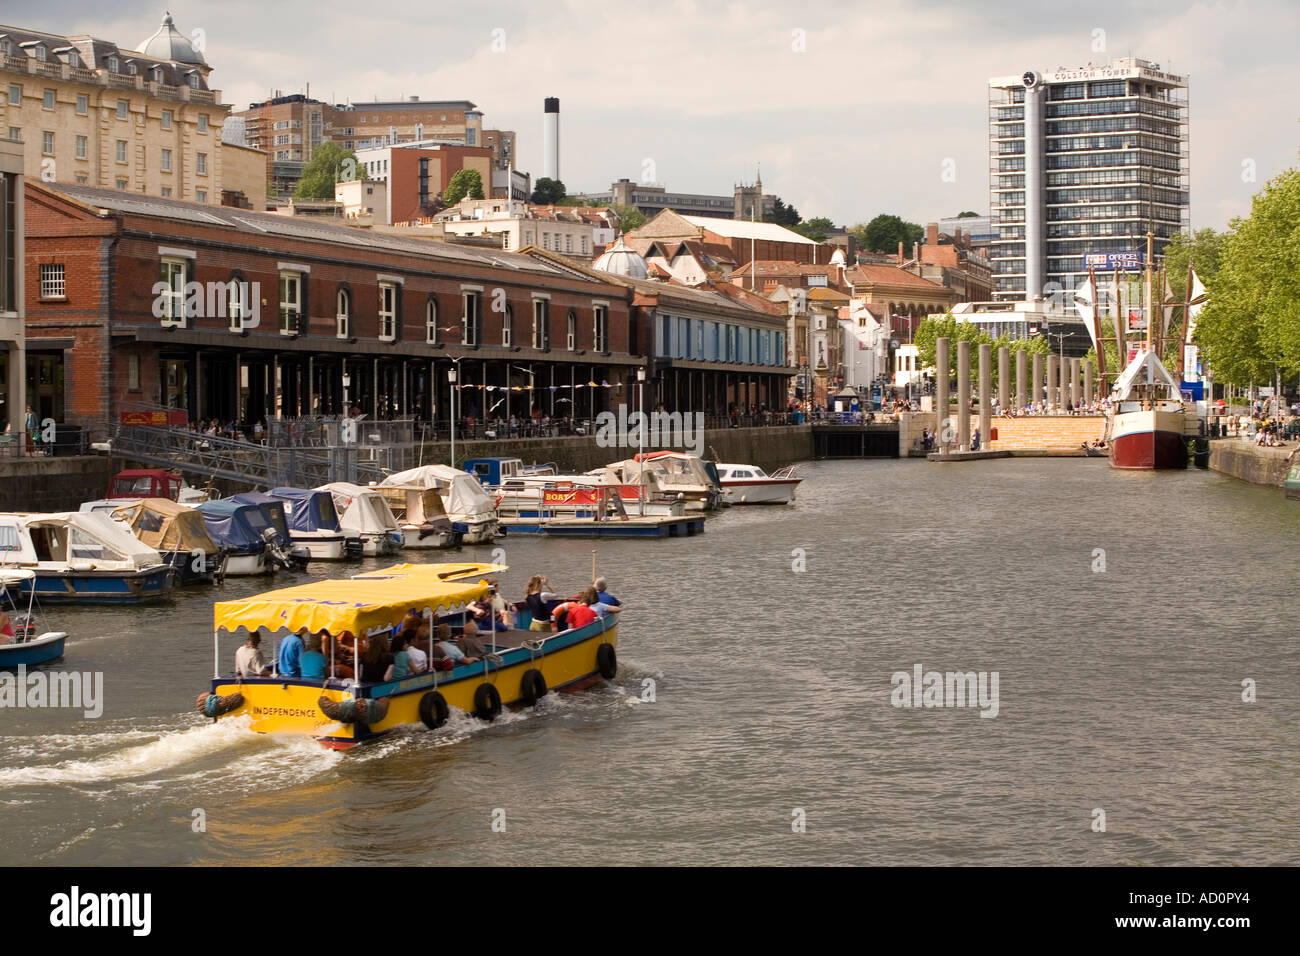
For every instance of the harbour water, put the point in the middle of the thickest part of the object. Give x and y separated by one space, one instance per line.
750 691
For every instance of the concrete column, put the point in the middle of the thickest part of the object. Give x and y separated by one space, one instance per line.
963 396
1053 380
1089 395
1004 376
16 400
986 392
941 403
1075 397
1036 380
1022 377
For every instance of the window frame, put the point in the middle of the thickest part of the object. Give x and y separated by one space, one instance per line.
54 281
387 314
431 330
541 322
343 312
290 314
174 314
471 325
600 327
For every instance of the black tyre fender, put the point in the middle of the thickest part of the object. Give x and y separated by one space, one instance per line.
433 709
487 702
607 661
532 687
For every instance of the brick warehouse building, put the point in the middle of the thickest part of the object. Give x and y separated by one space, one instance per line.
345 316
390 313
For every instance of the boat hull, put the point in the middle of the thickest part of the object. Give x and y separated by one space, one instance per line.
377 544
243 565
41 650
760 492
275 705
100 587
413 539
183 563
322 547
1148 440
563 527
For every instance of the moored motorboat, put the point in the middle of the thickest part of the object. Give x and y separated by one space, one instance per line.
20 644
83 558
519 668
243 534
471 510
676 473
420 517
751 485
364 513
177 532
314 524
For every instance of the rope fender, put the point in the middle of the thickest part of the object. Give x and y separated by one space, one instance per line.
210 705
367 710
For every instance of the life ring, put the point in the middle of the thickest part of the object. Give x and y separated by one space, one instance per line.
607 661
487 702
210 705
532 687
433 709
367 710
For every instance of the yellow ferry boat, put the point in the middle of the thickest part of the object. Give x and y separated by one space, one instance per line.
520 667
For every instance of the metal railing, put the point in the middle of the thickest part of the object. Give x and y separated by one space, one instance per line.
68 440
262 466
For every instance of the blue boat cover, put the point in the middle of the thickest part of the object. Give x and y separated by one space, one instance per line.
272 507
309 510
234 525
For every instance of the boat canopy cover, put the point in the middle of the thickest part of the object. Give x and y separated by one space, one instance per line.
75 537
308 509
233 524
461 491
361 510
414 505
1145 369
361 605
271 506
167 526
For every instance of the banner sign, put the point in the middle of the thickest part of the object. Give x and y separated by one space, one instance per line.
1109 261
154 418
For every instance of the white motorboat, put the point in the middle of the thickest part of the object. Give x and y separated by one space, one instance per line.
364 513
751 485
420 516
471 510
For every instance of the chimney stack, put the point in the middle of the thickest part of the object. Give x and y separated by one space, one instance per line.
900 252
551 138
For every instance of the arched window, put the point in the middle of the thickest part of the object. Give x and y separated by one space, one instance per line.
431 320
508 326
573 331
239 301
343 313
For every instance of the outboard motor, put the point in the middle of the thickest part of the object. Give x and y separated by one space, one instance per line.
299 557
352 548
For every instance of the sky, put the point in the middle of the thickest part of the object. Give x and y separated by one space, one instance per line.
852 109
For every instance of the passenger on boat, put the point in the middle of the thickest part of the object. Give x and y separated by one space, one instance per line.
249 661
313 664
375 660
602 592
493 613
402 665
419 659
560 615
540 600
589 609
290 662
470 643
449 649
409 624
7 634
340 654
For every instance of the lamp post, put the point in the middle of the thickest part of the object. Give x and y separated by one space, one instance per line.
640 440
347 382
451 378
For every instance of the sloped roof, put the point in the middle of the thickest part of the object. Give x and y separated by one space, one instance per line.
744 229
892 275
667 225
783 268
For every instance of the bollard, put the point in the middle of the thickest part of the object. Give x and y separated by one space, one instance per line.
1054 382
963 396
942 411
1022 376
1004 376
1074 383
986 392
1036 381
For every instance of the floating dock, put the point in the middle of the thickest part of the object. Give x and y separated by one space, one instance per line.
679 526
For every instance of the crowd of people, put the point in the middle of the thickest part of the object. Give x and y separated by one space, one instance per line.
415 645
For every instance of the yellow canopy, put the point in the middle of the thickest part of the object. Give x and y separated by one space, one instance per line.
361 604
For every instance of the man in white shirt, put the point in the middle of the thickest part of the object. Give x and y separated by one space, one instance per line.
248 659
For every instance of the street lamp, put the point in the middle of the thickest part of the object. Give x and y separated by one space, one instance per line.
451 378
640 439
347 382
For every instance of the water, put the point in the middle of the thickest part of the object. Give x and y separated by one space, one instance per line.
1119 690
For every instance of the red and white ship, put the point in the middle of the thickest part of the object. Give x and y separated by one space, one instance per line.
1148 419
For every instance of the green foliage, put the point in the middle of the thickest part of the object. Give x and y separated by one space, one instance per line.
968 215
629 217
1251 324
782 214
547 191
931 330
884 233
815 229
330 164
1204 249
464 184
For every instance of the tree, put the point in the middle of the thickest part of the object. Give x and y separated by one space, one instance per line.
816 229
931 330
968 215
782 214
464 184
629 217
886 231
547 191
1204 250
330 164
1250 328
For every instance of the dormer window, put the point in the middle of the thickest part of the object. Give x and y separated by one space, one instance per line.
132 69
158 75
113 64
74 60
194 81
6 46
40 53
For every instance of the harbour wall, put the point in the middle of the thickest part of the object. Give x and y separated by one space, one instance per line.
52 484
1250 462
